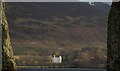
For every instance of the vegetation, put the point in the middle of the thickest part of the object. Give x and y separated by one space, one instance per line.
86 57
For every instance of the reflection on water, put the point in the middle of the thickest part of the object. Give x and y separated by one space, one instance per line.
58 69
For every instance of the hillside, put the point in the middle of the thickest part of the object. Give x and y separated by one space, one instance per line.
57 28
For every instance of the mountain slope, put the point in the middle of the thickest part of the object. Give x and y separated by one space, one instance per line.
58 24
58 28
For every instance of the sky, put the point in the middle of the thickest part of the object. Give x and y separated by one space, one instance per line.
96 0
61 0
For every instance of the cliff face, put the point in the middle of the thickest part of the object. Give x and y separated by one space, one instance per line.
8 63
114 38
0 41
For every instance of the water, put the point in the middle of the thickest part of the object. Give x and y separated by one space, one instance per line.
58 69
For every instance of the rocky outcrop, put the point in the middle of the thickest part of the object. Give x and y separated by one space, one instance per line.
114 38
8 63
0 41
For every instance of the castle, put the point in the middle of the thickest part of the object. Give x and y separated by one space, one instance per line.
57 59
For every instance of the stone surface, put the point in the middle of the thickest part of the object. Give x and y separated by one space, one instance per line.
0 40
114 38
8 63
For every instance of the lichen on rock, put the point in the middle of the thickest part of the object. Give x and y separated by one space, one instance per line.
8 63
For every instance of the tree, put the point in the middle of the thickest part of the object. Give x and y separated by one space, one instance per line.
113 40
8 63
